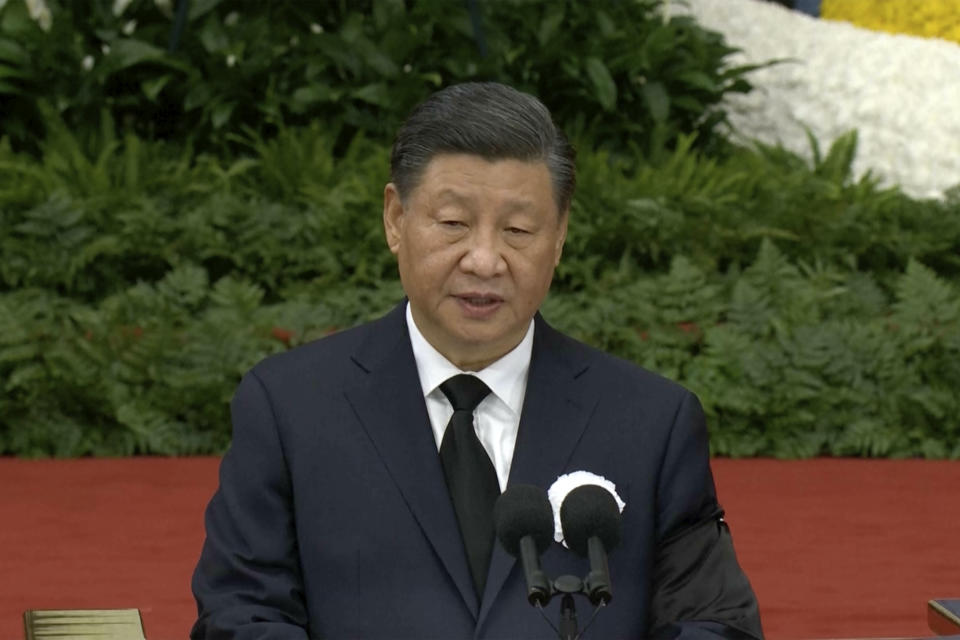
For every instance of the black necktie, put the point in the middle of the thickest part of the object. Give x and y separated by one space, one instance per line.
471 478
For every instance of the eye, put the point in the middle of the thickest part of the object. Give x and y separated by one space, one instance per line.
452 224
517 231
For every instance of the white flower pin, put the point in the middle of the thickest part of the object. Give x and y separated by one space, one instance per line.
568 482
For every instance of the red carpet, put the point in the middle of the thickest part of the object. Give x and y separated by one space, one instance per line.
845 548
834 548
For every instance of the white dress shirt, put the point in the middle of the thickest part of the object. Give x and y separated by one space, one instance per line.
497 417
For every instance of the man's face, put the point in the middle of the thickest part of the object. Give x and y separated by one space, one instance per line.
476 245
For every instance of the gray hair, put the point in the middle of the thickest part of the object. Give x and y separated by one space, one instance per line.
486 119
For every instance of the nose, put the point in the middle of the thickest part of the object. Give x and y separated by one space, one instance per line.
484 255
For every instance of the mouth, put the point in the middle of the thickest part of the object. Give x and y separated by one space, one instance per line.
479 303
480 300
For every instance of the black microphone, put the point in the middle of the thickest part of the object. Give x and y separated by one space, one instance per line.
524 522
590 519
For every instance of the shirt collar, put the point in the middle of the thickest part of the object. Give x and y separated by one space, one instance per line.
506 377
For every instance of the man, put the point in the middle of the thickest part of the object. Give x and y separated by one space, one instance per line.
355 499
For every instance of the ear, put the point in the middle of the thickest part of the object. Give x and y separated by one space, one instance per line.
393 218
561 236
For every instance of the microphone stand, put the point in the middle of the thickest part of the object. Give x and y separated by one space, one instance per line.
520 536
568 619
568 628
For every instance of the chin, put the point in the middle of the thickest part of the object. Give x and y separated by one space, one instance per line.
474 339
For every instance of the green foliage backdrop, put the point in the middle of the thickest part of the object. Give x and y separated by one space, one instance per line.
177 204
811 313
618 69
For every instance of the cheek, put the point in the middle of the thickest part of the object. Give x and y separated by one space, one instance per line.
426 269
534 276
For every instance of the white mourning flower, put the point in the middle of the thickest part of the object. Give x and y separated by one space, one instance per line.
129 28
231 60
87 63
232 18
316 28
568 482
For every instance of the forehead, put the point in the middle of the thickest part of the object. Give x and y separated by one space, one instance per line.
467 177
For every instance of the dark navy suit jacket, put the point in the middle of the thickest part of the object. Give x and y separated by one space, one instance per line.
333 520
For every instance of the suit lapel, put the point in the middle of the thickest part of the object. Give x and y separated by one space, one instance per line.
556 409
392 410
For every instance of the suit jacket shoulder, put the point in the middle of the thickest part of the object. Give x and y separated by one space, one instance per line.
331 361
608 369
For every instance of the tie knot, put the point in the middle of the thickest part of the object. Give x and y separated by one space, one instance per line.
464 392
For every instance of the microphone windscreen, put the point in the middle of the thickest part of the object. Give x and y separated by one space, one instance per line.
523 510
590 510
